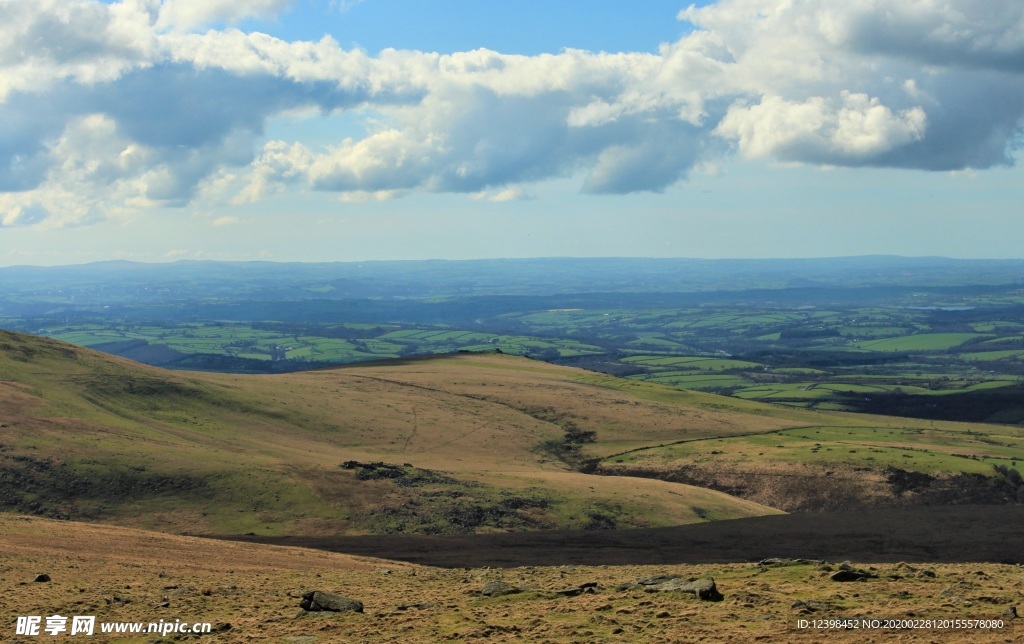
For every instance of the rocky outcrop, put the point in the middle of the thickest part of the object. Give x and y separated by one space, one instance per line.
497 587
316 600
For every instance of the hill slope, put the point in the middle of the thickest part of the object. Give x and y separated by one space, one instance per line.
88 436
451 444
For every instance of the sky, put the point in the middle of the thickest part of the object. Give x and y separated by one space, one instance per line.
351 130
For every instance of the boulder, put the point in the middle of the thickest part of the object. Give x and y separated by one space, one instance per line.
589 587
851 575
811 606
496 587
782 561
704 589
656 579
316 600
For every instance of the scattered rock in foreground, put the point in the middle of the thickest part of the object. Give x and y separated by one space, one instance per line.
315 600
43 578
656 579
782 561
587 588
852 575
811 606
704 589
496 588
905 570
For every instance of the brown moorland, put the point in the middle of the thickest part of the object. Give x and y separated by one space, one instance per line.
89 436
250 592
489 444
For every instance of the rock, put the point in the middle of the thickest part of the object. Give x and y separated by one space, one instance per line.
851 575
589 587
417 606
496 587
704 589
811 606
1011 612
780 561
656 579
43 578
957 589
315 600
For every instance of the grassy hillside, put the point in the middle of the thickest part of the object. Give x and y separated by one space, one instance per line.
88 436
459 443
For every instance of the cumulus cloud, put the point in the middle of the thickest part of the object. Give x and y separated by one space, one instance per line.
110 109
185 14
857 128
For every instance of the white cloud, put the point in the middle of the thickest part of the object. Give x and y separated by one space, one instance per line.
188 14
510 193
856 128
110 109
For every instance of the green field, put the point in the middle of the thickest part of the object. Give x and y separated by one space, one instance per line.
249 342
921 342
819 354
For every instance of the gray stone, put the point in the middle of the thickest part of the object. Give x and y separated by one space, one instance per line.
315 600
782 561
656 579
704 589
496 587
851 575
587 588
42 578
811 606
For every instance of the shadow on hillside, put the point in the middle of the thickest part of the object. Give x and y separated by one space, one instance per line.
949 534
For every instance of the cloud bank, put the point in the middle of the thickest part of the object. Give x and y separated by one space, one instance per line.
107 110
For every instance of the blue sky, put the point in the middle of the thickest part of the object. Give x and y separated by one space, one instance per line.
527 27
311 130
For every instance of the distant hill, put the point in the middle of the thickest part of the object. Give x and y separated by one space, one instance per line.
85 435
451 444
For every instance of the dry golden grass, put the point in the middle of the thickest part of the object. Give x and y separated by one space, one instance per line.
271 446
119 574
